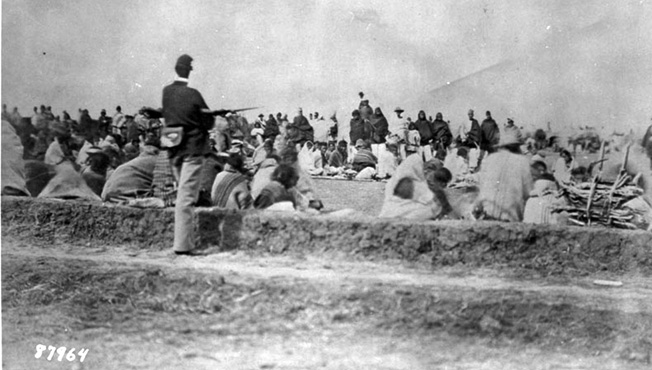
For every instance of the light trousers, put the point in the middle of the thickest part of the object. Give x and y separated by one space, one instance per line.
188 174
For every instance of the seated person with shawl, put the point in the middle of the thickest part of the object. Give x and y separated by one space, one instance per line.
388 161
505 182
305 187
438 178
257 133
310 159
538 208
363 158
134 179
263 152
338 157
231 187
61 148
564 165
13 166
94 173
283 180
407 194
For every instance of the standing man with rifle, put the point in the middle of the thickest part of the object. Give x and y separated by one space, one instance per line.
187 122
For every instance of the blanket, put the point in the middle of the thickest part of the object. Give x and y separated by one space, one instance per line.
13 165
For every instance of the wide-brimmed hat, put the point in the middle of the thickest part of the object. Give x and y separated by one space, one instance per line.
360 144
398 109
509 137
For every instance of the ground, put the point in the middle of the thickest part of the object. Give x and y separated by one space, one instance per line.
139 309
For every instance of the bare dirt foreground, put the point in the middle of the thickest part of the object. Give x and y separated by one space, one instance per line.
138 309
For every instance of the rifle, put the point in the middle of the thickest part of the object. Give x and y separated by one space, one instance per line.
157 113
224 112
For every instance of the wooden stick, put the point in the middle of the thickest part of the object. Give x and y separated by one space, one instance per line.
590 200
623 167
602 150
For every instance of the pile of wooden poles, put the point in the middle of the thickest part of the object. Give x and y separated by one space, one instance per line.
600 202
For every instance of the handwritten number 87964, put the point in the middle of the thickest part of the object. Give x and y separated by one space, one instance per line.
61 352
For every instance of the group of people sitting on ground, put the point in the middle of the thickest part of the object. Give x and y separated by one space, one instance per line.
93 161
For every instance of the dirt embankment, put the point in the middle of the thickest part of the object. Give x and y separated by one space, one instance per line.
538 249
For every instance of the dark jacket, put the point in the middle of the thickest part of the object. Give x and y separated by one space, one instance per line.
271 129
357 130
490 134
182 107
424 128
380 127
302 131
442 133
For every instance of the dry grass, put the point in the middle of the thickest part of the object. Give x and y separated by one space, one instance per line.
128 300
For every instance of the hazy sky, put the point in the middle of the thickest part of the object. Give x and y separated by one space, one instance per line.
572 62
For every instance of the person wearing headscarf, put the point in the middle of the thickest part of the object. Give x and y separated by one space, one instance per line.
263 152
338 157
231 187
305 187
13 166
388 161
441 133
59 149
310 159
88 127
563 167
300 130
271 128
490 134
380 127
538 208
95 173
357 127
282 180
257 133
407 194
425 134
380 130
366 111
322 128
505 182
